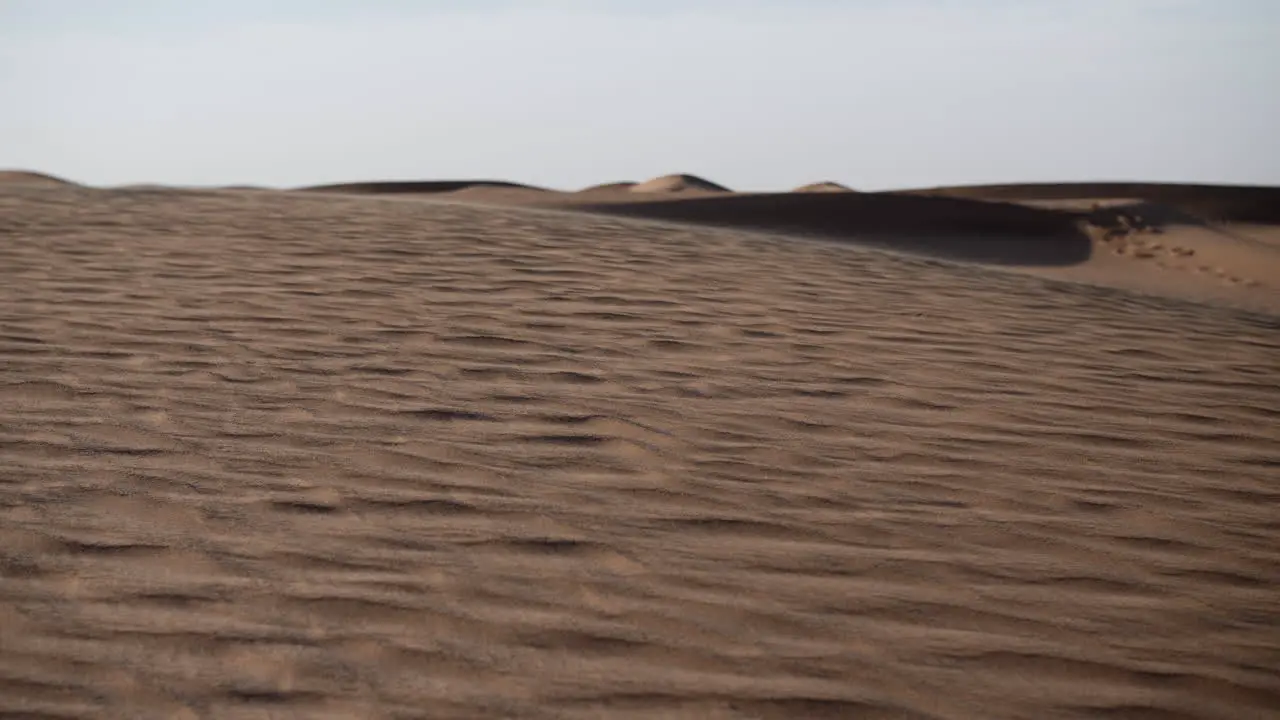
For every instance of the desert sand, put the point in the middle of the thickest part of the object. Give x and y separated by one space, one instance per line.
497 451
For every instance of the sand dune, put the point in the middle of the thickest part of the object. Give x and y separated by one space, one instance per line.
1077 233
27 177
823 187
1137 245
414 187
948 227
677 184
1216 243
319 456
1205 243
624 186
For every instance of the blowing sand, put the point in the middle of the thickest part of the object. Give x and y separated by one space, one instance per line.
320 456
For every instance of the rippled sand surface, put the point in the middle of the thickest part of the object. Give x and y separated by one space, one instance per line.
273 455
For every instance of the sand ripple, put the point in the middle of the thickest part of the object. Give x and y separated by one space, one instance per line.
378 458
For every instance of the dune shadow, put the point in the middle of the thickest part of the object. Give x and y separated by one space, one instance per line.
413 187
953 228
1213 203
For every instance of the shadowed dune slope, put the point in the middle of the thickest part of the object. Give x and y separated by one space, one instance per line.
951 227
622 186
296 455
413 187
1216 203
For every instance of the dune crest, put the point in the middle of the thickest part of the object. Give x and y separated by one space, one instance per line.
954 228
623 186
825 186
1155 247
29 177
414 187
1215 203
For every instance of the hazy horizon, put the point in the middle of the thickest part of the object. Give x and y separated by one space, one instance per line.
754 95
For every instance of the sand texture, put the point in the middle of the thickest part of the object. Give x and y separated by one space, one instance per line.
278 454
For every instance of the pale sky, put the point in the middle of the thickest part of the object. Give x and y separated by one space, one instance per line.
756 95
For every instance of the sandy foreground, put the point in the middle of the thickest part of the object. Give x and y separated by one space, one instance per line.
269 454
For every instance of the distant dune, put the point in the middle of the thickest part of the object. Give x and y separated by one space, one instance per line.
676 184
625 186
823 187
614 192
27 177
413 187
